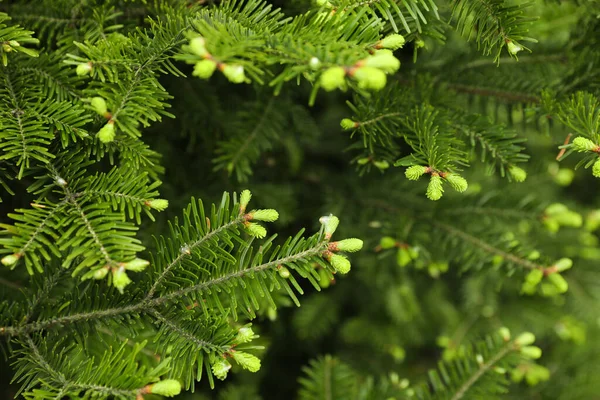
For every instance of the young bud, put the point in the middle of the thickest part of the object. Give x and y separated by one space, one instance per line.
559 282
245 197
457 182
235 73
167 387
340 263
10 259
513 48
415 172
333 78
220 368
532 352
518 174
83 69
120 279
363 161
100 273
582 144
370 78
331 223
107 133
14 43
268 215
435 189
314 63
403 257
382 165
349 245
556 209
348 124
596 168
534 277
256 230
158 204
387 242
391 42
569 218
244 335
136 265
563 264
204 69
246 360
505 333
283 272
198 46
384 61
99 105
525 339
324 279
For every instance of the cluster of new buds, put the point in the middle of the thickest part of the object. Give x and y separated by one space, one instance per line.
118 272
558 215
584 145
435 189
107 133
370 72
253 228
554 283
205 63
220 365
339 262
522 344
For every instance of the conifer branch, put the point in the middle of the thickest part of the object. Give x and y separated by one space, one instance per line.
191 246
487 247
147 304
202 344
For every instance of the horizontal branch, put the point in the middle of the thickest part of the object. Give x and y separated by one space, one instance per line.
147 304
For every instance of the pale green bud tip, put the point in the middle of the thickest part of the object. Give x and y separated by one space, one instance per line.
534 277
340 263
370 78
387 242
525 339
107 133
348 124
14 43
120 279
100 273
256 230
99 105
284 272
505 333
563 264
559 282
168 387
268 215
314 63
204 69
235 73
244 335
532 352
383 60
514 48
158 204
333 78
220 368
435 189
583 144
247 361
198 46
331 223
457 182
136 265
349 245
415 172
245 197
10 259
382 165
518 174
596 169
83 69
392 42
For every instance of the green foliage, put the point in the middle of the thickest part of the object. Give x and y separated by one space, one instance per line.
115 113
